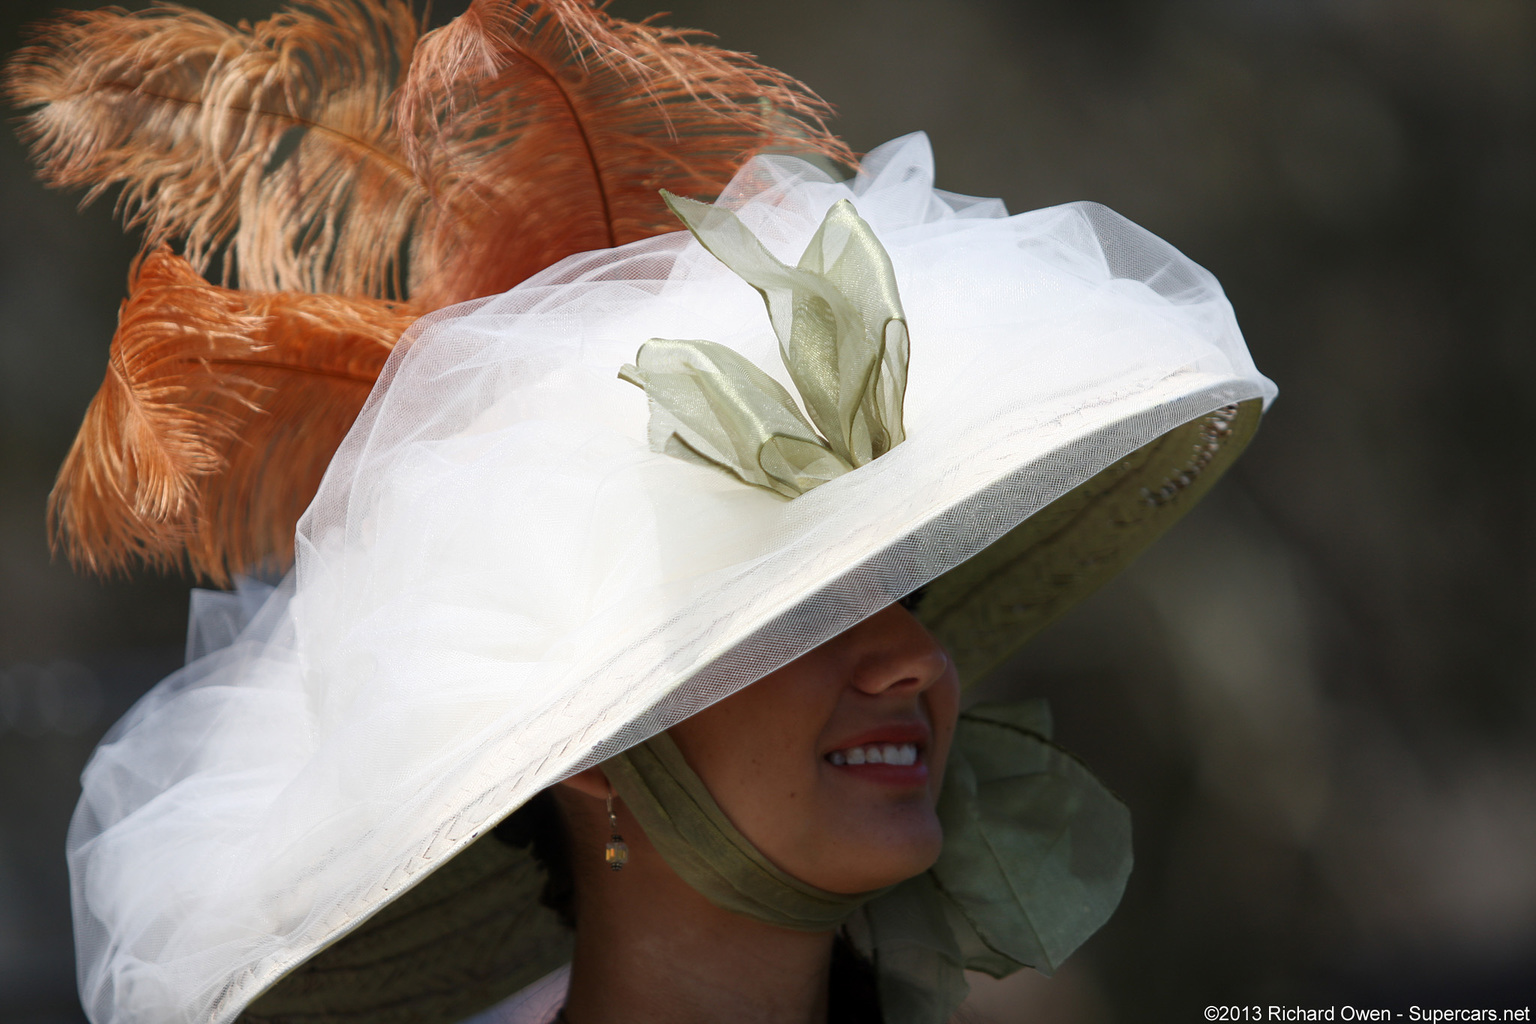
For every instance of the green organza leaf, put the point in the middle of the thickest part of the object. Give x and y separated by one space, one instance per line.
841 330
842 336
845 253
1036 856
1036 850
1030 715
726 412
920 967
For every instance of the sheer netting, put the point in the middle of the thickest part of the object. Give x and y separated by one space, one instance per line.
500 583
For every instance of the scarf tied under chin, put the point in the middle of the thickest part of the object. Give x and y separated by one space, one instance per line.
1036 856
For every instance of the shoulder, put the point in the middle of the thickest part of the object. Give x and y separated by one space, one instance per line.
539 1003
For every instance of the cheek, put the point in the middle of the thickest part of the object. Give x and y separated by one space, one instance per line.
757 756
943 703
759 753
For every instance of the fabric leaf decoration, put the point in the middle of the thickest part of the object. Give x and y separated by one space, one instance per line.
842 336
1041 829
712 405
1036 856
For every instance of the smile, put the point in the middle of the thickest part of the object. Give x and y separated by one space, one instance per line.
900 754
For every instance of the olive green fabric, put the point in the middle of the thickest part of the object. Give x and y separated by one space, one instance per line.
986 608
842 336
1037 851
697 840
1036 855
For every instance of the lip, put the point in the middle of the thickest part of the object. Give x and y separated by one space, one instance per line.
900 776
904 775
906 731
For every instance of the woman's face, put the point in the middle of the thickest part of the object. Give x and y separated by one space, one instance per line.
831 766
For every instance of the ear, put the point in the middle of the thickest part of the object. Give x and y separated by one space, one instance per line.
590 782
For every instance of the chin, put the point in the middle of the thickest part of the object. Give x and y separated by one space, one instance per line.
889 850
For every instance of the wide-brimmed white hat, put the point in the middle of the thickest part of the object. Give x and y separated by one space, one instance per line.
501 583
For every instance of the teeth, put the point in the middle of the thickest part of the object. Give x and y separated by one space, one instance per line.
876 753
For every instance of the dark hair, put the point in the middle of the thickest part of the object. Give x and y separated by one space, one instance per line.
853 993
853 997
538 827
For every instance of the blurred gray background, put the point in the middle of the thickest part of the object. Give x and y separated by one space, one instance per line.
1316 694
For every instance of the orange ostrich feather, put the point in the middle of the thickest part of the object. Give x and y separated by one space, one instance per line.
549 128
219 412
332 158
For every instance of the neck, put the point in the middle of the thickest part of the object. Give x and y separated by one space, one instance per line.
651 950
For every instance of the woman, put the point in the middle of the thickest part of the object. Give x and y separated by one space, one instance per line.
519 573
774 755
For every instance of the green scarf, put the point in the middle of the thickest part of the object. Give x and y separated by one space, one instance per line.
1036 855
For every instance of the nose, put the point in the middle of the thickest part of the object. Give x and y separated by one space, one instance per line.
896 655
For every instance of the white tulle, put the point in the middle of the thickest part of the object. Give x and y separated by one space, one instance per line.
499 583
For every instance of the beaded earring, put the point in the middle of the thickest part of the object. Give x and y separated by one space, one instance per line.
616 853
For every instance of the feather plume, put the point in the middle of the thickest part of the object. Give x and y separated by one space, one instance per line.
325 150
533 129
219 412
276 141
547 127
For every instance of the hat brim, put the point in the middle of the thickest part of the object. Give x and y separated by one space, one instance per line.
473 932
986 608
